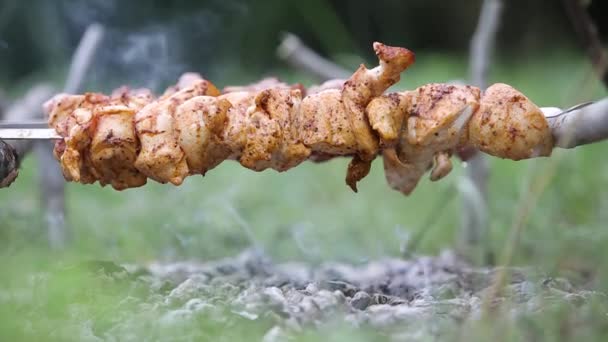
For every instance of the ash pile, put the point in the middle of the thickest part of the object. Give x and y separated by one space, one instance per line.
415 299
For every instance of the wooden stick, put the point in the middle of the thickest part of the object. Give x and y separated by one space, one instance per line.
52 195
579 127
83 57
483 41
301 57
474 187
52 183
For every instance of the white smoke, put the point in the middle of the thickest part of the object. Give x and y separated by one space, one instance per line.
140 50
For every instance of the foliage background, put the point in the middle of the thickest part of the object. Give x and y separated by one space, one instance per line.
223 39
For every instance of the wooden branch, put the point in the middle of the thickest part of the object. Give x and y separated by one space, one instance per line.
83 57
474 187
587 32
301 57
483 41
52 183
52 195
579 127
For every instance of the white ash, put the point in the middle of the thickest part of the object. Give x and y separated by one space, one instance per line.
409 297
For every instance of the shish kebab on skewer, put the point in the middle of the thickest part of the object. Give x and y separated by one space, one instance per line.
129 136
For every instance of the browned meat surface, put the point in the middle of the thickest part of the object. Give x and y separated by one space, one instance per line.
128 137
509 125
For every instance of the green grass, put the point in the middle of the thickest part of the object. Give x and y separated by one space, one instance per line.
309 214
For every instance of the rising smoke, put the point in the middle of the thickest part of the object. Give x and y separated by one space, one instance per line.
141 48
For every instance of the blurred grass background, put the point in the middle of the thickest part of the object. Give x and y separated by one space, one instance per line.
307 213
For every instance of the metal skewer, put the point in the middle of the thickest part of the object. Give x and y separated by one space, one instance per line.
39 130
34 130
